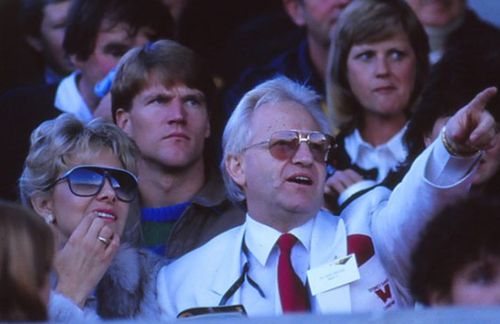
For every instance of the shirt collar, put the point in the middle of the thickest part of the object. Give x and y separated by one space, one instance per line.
355 145
395 145
68 98
261 239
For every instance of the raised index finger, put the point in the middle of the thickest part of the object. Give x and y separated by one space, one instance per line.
481 99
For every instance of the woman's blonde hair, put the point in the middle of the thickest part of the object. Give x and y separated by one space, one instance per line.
56 143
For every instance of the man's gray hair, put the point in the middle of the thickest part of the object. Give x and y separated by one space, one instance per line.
238 133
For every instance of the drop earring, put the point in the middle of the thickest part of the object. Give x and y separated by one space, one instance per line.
49 219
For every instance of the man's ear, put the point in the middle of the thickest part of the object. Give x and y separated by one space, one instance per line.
123 120
296 11
235 167
43 206
34 42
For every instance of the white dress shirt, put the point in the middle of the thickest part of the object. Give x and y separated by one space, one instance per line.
263 258
68 98
384 157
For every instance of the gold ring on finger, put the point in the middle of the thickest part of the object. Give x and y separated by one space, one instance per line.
104 240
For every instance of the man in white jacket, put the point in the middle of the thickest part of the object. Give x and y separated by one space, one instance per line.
275 147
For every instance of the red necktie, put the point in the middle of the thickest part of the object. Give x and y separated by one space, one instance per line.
293 294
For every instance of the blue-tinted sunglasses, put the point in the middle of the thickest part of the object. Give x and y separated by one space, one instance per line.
88 180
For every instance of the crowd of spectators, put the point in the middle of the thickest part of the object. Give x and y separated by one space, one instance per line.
189 157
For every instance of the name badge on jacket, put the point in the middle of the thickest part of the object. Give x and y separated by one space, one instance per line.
331 275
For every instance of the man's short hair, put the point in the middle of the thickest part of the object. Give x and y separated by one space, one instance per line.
238 133
85 19
168 62
461 234
31 15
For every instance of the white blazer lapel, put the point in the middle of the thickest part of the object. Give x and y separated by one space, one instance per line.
328 242
230 268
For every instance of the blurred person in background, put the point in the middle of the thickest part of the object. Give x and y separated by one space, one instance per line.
98 33
26 257
243 33
307 61
450 24
457 260
44 24
32 36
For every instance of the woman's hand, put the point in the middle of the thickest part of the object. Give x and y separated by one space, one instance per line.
84 259
340 181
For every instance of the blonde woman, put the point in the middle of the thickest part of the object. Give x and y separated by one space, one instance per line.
80 179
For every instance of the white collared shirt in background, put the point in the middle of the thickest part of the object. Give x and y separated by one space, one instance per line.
384 157
68 98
